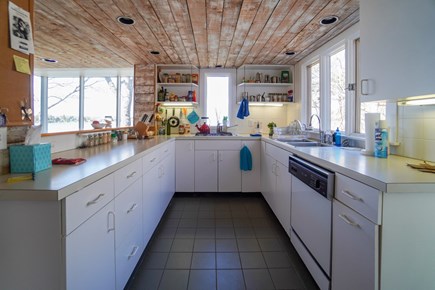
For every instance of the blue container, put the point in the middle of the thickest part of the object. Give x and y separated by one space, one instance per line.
337 137
29 158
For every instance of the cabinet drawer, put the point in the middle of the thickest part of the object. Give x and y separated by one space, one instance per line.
362 198
167 149
150 160
218 145
127 257
128 211
87 201
277 153
127 175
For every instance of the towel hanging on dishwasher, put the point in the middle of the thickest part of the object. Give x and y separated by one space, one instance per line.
245 159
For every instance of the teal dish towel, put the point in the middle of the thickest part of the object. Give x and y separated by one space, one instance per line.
245 159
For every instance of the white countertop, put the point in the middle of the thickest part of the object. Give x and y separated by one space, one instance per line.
389 175
386 174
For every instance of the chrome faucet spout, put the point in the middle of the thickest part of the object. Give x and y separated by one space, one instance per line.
320 126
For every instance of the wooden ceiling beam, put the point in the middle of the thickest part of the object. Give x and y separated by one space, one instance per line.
214 24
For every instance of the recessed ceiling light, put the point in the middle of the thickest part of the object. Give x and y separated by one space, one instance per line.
290 52
329 20
49 60
154 52
125 20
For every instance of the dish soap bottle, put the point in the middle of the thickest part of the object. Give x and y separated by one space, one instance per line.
381 139
337 137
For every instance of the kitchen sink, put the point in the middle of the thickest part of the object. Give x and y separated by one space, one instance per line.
215 134
303 143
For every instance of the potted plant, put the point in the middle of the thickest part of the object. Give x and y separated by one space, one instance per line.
271 125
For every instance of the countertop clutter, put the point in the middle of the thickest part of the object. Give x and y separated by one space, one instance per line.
389 175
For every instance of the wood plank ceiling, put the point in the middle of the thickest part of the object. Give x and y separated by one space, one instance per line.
205 33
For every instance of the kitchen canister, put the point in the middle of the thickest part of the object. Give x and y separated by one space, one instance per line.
370 124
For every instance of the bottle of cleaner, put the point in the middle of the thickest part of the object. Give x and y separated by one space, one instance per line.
381 139
337 137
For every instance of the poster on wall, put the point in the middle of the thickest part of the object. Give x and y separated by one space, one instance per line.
20 28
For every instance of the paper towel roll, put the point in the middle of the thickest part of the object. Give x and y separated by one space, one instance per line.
370 120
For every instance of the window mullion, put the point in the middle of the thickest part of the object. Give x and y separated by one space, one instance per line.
118 101
44 104
81 103
325 92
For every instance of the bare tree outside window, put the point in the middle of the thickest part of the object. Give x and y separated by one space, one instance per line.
338 92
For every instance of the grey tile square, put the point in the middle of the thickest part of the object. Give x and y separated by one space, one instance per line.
206 223
226 245
286 279
192 206
272 244
205 233
179 261
203 261
185 233
252 260
187 223
242 222
189 215
277 259
176 204
242 213
224 223
206 206
174 214
202 279
225 233
261 222
182 245
267 232
206 214
167 232
204 245
230 280
168 222
146 279
155 260
220 214
228 261
174 280
160 245
245 232
258 279
248 245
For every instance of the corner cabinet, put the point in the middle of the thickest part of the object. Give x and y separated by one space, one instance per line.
265 84
177 85
396 54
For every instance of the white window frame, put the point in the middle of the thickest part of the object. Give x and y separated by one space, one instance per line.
323 57
231 73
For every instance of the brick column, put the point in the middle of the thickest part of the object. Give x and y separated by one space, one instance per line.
144 88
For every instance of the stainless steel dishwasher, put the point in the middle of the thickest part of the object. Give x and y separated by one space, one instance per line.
311 215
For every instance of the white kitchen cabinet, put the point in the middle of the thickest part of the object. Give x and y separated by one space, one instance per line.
229 174
129 242
256 81
251 180
277 187
396 48
206 171
150 209
217 166
89 252
184 165
354 250
167 175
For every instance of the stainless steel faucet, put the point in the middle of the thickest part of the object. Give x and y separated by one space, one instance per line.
320 126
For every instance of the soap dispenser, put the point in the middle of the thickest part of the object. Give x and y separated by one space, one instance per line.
337 137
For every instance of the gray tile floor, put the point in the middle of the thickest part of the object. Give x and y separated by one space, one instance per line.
228 242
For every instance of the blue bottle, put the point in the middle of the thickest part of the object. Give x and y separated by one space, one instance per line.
337 137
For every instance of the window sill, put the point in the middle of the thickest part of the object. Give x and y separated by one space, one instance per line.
84 131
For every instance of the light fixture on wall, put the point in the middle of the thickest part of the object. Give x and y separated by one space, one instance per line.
418 101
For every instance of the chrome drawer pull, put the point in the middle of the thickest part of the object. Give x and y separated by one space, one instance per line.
110 222
348 221
350 195
132 208
133 252
152 160
95 200
131 174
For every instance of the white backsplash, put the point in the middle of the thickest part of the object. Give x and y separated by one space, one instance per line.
61 142
416 132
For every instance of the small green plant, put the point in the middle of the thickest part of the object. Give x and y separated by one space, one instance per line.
271 125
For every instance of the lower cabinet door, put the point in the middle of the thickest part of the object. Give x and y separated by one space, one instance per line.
229 174
282 198
151 199
90 255
354 250
206 171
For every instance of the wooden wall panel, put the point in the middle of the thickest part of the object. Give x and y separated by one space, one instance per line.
14 86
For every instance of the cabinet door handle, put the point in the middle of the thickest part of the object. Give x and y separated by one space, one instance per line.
276 170
214 156
351 196
152 160
110 226
190 146
133 252
132 208
348 221
220 156
131 174
95 200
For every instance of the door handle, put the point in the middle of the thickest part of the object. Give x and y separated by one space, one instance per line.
110 226
351 196
348 221
366 83
95 200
